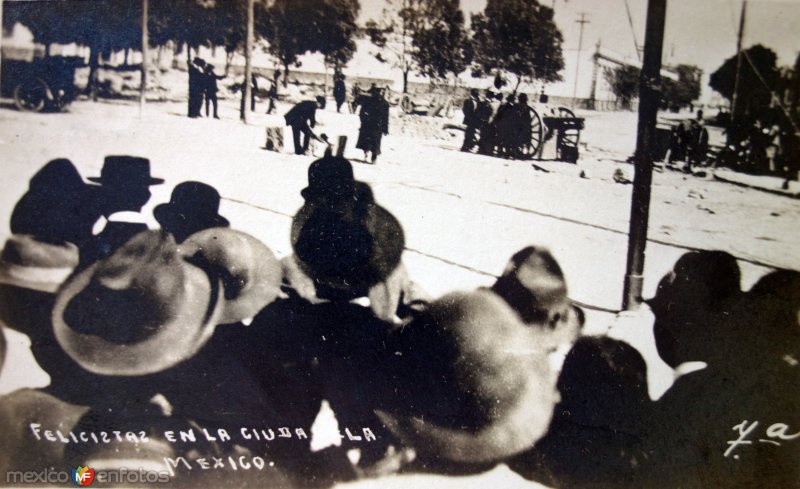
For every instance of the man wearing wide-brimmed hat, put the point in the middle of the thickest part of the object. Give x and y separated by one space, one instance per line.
31 271
534 285
473 384
125 188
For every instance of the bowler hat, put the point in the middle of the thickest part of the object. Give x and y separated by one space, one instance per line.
29 263
142 310
120 170
192 206
250 272
478 386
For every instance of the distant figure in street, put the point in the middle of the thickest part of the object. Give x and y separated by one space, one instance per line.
505 125
301 118
211 88
253 91
355 96
698 142
339 91
522 131
374 117
471 121
196 86
272 95
486 114
125 189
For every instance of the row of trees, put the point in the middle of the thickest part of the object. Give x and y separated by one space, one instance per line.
761 80
675 94
430 37
427 37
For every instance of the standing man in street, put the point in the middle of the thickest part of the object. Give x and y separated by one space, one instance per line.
197 84
374 117
339 91
211 89
471 121
301 118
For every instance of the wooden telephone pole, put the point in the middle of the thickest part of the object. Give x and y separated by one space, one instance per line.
582 21
735 105
649 99
248 64
145 51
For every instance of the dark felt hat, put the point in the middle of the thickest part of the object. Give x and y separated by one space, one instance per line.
29 263
142 310
478 386
191 205
121 170
329 176
59 173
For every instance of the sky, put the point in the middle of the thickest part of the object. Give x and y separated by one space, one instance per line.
698 32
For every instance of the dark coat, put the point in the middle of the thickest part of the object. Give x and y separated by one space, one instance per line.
374 117
470 109
339 90
303 113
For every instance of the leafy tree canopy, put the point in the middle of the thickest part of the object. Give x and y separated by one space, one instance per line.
518 37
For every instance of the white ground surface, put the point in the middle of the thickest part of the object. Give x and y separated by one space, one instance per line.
464 214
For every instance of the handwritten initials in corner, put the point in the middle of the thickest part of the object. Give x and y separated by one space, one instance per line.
775 434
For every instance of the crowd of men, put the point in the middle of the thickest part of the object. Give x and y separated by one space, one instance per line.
203 87
198 328
496 126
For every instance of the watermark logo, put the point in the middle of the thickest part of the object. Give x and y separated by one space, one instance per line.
82 476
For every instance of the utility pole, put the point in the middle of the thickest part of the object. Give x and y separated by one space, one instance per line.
580 21
595 69
248 64
735 97
1 42
145 51
649 98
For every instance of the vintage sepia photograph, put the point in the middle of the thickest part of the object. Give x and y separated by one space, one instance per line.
362 244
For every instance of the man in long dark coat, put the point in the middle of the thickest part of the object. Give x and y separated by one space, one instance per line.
374 117
339 91
471 121
197 86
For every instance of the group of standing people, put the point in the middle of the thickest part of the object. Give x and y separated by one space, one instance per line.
497 127
689 142
203 86
147 339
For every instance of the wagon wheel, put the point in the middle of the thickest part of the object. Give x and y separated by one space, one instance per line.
569 137
407 105
31 95
530 150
